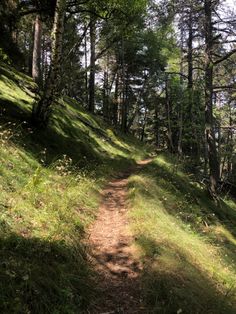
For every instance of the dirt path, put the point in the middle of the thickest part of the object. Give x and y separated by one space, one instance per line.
113 254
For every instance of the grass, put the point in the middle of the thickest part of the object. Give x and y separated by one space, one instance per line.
186 242
49 193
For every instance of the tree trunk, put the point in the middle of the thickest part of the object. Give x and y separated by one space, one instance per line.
190 66
124 109
106 111
124 91
190 52
144 125
36 73
91 106
41 112
213 161
86 69
168 115
115 103
157 127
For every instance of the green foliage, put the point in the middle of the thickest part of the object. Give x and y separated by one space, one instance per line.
4 57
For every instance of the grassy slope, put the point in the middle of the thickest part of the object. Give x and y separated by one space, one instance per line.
49 185
188 244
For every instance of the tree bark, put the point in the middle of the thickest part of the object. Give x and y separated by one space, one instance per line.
42 110
106 113
86 69
213 161
36 73
190 64
168 115
190 51
91 106
115 103
106 109
124 110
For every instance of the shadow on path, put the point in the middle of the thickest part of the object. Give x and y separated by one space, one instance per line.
112 252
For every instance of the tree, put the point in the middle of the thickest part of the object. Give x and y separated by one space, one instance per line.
36 59
41 111
92 30
209 121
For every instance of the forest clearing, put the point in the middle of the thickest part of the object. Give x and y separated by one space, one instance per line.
117 157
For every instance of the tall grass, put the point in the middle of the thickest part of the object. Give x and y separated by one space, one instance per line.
49 192
47 200
43 214
187 243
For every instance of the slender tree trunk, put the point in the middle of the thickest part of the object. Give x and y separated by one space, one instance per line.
192 149
190 52
43 55
124 109
168 113
106 113
190 67
86 69
209 123
36 73
231 144
30 51
144 125
124 91
181 112
91 106
157 127
116 99
41 112
180 150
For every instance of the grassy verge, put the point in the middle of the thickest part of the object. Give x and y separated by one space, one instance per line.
49 193
186 242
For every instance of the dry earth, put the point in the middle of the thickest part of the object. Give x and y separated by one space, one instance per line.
113 254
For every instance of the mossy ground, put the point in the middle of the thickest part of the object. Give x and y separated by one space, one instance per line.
187 243
49 193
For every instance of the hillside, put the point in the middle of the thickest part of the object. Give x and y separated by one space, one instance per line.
49 192
186 241
178 255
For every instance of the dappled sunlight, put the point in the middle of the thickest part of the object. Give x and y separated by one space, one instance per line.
49 194
187 252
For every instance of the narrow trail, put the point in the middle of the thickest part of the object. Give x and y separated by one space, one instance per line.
113 254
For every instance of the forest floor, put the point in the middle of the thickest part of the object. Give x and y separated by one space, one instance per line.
113 253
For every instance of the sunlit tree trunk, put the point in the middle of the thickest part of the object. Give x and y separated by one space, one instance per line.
37 49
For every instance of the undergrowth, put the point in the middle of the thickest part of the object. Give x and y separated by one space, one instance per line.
186 242
49 192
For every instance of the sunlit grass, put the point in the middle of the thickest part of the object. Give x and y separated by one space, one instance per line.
188 253
49 193
43 214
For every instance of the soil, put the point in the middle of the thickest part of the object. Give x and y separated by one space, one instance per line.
113 253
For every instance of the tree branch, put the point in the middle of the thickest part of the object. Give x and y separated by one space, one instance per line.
225 57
